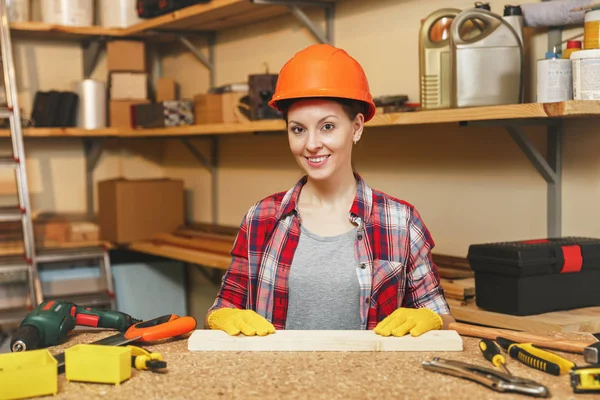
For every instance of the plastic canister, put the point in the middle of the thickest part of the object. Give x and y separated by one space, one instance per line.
586 74
434 59
117 13
68 12
486 60
591 30
554 79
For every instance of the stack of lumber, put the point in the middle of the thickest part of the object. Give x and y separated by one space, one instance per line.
456 277
209 245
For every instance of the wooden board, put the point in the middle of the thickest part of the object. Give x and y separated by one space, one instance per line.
459 289
205 258
578 320
323 340
567 109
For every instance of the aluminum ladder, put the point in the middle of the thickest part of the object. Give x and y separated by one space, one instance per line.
25 268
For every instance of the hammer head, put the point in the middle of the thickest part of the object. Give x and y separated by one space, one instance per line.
591 354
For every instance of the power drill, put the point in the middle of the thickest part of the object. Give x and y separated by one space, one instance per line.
50 322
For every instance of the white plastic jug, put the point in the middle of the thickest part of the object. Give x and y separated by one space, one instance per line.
487 60
434 59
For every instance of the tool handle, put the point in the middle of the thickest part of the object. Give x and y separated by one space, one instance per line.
163 327
87 316
491 352
564 365
569 345
533 361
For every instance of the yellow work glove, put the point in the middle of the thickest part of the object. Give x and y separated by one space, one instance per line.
235 321
417 321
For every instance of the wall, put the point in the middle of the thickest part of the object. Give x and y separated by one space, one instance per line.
470 184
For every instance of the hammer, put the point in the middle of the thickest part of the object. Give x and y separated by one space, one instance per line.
578 346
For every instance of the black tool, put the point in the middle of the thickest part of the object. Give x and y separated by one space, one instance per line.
534 357
492 353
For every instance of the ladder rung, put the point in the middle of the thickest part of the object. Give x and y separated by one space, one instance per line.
5 112
76 254
8 162
10 214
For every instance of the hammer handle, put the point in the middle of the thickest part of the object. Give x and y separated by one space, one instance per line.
548 342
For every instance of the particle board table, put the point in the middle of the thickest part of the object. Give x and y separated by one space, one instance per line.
302 375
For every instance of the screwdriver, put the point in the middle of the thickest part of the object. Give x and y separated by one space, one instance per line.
492 353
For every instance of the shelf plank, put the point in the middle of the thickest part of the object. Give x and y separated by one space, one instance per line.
205 258
511 112
566 109
214 16
40 30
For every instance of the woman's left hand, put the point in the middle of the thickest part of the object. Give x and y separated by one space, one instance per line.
414 320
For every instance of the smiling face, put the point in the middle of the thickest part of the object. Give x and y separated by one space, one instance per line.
321 136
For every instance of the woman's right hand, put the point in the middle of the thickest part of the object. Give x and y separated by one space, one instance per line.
235 321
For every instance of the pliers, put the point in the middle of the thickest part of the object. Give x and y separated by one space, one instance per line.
493 379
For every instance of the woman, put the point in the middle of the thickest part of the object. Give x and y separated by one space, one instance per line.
330 253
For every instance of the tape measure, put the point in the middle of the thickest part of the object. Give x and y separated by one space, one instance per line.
586 379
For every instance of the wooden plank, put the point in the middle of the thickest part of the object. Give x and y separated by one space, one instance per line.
459 288
442 260
454 273
208 244
565 109
324 340
571 108
39 30
577 320
204 258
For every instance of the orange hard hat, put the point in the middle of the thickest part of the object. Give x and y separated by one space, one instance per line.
322 70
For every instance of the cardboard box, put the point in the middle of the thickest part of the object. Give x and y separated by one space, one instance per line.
128 85
163 114
120 112
218 108
130 210
166 89
126 55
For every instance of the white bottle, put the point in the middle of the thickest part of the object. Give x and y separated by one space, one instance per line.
514 16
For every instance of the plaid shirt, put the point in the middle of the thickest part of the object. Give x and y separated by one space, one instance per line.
393 248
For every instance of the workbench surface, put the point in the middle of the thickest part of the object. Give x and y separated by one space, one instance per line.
287 375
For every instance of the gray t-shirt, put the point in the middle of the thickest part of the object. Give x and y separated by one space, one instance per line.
323 284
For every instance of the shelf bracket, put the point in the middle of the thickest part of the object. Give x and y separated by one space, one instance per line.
91 54
208 61
211 164
93 151
294 6
550 168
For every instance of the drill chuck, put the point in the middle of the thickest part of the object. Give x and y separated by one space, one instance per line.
27 337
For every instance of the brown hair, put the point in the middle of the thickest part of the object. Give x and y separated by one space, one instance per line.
351 107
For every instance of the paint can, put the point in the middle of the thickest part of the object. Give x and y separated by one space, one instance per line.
92 104
117 13
554 79
586 73
591 30
68 12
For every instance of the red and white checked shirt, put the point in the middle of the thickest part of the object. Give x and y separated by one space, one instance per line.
393 248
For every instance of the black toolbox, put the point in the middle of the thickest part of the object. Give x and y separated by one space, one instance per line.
536 276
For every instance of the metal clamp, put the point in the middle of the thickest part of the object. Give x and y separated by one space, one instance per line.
493 379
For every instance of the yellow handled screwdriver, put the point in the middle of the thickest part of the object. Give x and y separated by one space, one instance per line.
492 353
